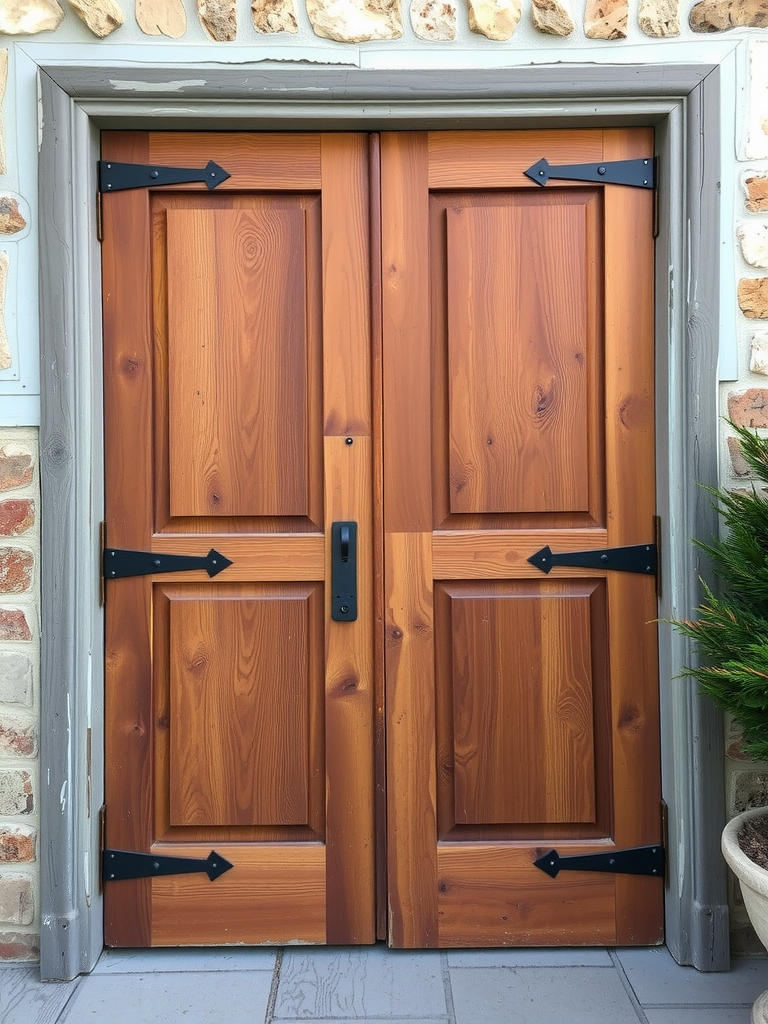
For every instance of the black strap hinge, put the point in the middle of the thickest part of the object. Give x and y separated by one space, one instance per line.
642 558
118 563
118 865
637 173
116 177
642 860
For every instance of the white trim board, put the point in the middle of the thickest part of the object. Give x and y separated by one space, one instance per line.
681 101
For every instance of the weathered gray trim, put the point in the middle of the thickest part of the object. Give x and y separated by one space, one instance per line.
687 312
71 480
681 101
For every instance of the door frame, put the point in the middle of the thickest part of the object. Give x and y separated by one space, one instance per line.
681 101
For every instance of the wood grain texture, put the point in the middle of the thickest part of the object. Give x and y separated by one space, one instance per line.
128 496
481 159
235 673
240 694
349 709
528 908
411 784
406 328
264 557
273 894
517 357
533 686
346 285
497 554
238 355
265 160
379 601
521 691
630 444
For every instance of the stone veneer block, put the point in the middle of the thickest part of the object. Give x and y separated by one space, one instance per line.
753 239
749 408
19 946
101 16
17 515
720 15
28 17
274 16
16 565
16 470
753 297
5 349
750 789
756 188
659 19
219 19
18 844
494 19
356 21
606 19
17 904
3 83
15 668
554 17
434 20
17 739
16 795
161 18
739 464
11 218
758 355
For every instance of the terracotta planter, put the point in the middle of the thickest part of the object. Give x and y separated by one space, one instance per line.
754 887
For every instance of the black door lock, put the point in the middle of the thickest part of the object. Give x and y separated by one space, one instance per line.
344 572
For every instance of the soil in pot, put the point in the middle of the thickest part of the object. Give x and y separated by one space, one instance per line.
753 840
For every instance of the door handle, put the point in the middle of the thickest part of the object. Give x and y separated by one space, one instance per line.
344 572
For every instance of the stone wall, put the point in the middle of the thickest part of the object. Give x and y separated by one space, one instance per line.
19 692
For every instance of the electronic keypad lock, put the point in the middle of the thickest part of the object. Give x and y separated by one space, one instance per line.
344 572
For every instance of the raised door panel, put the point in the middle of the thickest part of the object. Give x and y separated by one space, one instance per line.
239 716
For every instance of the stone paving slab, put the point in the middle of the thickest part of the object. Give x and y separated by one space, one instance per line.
658 981
529 958
194 998
541 995
700 1015
360 983
24 999
154 961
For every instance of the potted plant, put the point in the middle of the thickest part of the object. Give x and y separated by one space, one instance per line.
731 634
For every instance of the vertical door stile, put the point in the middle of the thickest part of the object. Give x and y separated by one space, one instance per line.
408 552
348 490
129 495
630 476
379 601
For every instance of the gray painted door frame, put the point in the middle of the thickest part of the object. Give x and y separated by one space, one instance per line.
682 102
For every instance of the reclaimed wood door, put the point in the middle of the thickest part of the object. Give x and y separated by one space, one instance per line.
522 708
239 715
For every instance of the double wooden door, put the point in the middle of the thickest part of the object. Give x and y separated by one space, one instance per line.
401 332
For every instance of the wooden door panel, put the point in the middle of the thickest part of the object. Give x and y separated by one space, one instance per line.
518 355
523 732
240 695
524 689
238 337
271 890
244 712
517 359
495 893
238 439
